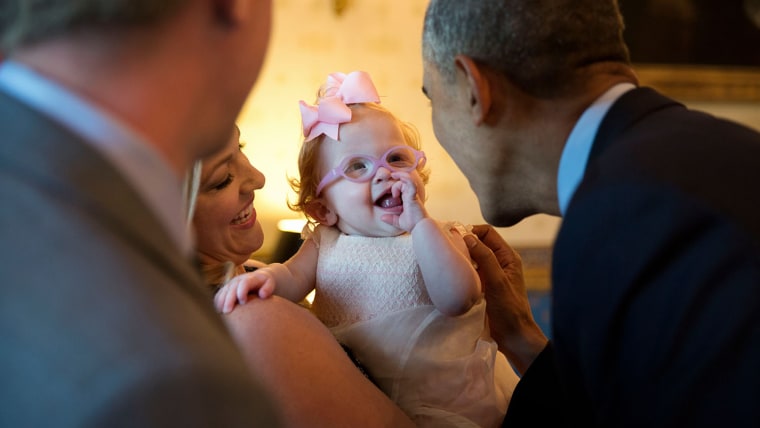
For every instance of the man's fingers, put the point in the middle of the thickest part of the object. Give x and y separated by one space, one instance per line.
490 269
479 252
504 253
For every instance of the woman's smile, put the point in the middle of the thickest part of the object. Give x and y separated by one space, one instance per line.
247 215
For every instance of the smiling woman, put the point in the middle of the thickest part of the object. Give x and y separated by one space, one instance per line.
274 333
225 221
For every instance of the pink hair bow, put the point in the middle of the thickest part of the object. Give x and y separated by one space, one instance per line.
332 108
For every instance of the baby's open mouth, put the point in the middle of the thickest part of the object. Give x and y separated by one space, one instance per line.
388 201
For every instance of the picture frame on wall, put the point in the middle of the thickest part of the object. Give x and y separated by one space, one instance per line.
700 50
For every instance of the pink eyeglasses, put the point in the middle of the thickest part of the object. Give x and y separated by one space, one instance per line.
360 168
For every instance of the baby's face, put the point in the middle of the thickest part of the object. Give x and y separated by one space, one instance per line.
359 206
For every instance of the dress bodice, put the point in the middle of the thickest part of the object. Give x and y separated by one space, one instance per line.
359 277
442 371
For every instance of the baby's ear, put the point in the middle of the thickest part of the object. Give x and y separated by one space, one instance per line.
319 211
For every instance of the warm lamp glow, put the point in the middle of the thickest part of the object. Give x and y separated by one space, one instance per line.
292 225
310 297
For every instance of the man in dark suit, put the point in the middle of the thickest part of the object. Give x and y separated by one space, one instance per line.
104 319
656 268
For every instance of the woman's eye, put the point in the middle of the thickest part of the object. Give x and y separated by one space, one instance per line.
226 182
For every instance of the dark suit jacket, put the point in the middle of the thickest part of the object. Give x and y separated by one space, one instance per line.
656 278
102 322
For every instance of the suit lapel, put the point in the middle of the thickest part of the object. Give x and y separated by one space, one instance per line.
60 162
627 110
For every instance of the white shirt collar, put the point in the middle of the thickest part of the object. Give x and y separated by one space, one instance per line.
128 151
572 164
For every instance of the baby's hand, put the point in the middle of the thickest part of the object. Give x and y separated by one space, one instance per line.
238 288
414 210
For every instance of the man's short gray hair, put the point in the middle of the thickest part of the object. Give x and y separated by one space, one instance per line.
25 22
538 44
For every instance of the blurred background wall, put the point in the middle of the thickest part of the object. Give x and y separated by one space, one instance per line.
312 38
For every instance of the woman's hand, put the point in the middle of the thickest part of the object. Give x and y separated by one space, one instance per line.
510 317
237 289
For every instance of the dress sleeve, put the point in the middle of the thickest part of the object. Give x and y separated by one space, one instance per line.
463 229
311 232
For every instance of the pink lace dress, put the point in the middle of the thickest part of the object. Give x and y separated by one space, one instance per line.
441 370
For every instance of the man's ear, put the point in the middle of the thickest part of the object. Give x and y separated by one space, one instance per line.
230 12
478 86
318 210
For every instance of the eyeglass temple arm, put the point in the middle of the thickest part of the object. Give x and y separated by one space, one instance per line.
329 178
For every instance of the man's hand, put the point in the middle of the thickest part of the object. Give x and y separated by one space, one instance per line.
510 317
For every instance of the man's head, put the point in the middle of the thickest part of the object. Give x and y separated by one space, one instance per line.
177 71
507 79
538 44
25 22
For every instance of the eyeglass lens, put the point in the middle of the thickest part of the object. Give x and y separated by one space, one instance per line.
360 167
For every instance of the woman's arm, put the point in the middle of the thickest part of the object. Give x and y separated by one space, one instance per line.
308 375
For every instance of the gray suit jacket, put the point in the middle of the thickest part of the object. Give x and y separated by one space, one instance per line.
102 322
